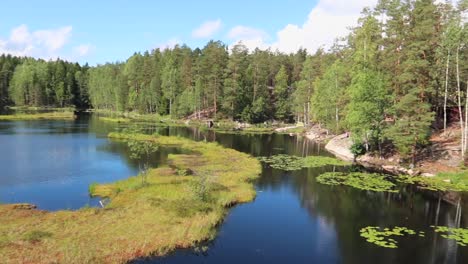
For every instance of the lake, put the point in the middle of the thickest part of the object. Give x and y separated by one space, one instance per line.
294 219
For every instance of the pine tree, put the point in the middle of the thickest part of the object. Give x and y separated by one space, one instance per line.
281 91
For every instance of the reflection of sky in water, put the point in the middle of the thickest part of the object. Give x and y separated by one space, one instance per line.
54 170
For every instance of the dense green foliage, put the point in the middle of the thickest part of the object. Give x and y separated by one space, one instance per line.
31 82
400 73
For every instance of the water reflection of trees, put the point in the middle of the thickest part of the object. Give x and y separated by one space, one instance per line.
348 210
344 208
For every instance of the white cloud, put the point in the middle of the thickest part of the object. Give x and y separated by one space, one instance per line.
169 44
207 29
328 20
41 43
53 39
243 32
83 50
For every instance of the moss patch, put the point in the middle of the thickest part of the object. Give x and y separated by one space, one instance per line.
165 212
359 180
290 163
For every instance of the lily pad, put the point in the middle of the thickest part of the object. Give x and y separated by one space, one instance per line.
359 180
434 183
291 163
382 237
458 234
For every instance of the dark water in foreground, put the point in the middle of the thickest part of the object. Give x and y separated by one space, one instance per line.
293 219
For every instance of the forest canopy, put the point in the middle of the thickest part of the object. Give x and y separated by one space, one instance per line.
400 73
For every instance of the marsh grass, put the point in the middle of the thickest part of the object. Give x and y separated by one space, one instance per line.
63 115
170 211
114 119
36 235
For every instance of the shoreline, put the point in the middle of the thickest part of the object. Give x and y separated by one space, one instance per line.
339 146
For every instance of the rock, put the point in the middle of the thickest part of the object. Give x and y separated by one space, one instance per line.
427 174
389 167
312 136
24 206
340 146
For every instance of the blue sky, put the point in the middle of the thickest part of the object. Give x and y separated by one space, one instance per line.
101 31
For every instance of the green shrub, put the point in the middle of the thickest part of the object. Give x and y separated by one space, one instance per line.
357 149
36 236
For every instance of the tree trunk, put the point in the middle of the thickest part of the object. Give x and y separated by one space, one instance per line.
305 115
462 127
337 118
214 96
446 90
170 107
466 119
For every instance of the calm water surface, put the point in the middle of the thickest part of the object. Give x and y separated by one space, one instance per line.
293 219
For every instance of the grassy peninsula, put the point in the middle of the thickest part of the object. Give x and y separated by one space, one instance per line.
152 213
56 115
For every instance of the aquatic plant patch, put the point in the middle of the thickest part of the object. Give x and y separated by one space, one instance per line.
460 235
435 183
383 237
291 163
359 180
283 162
